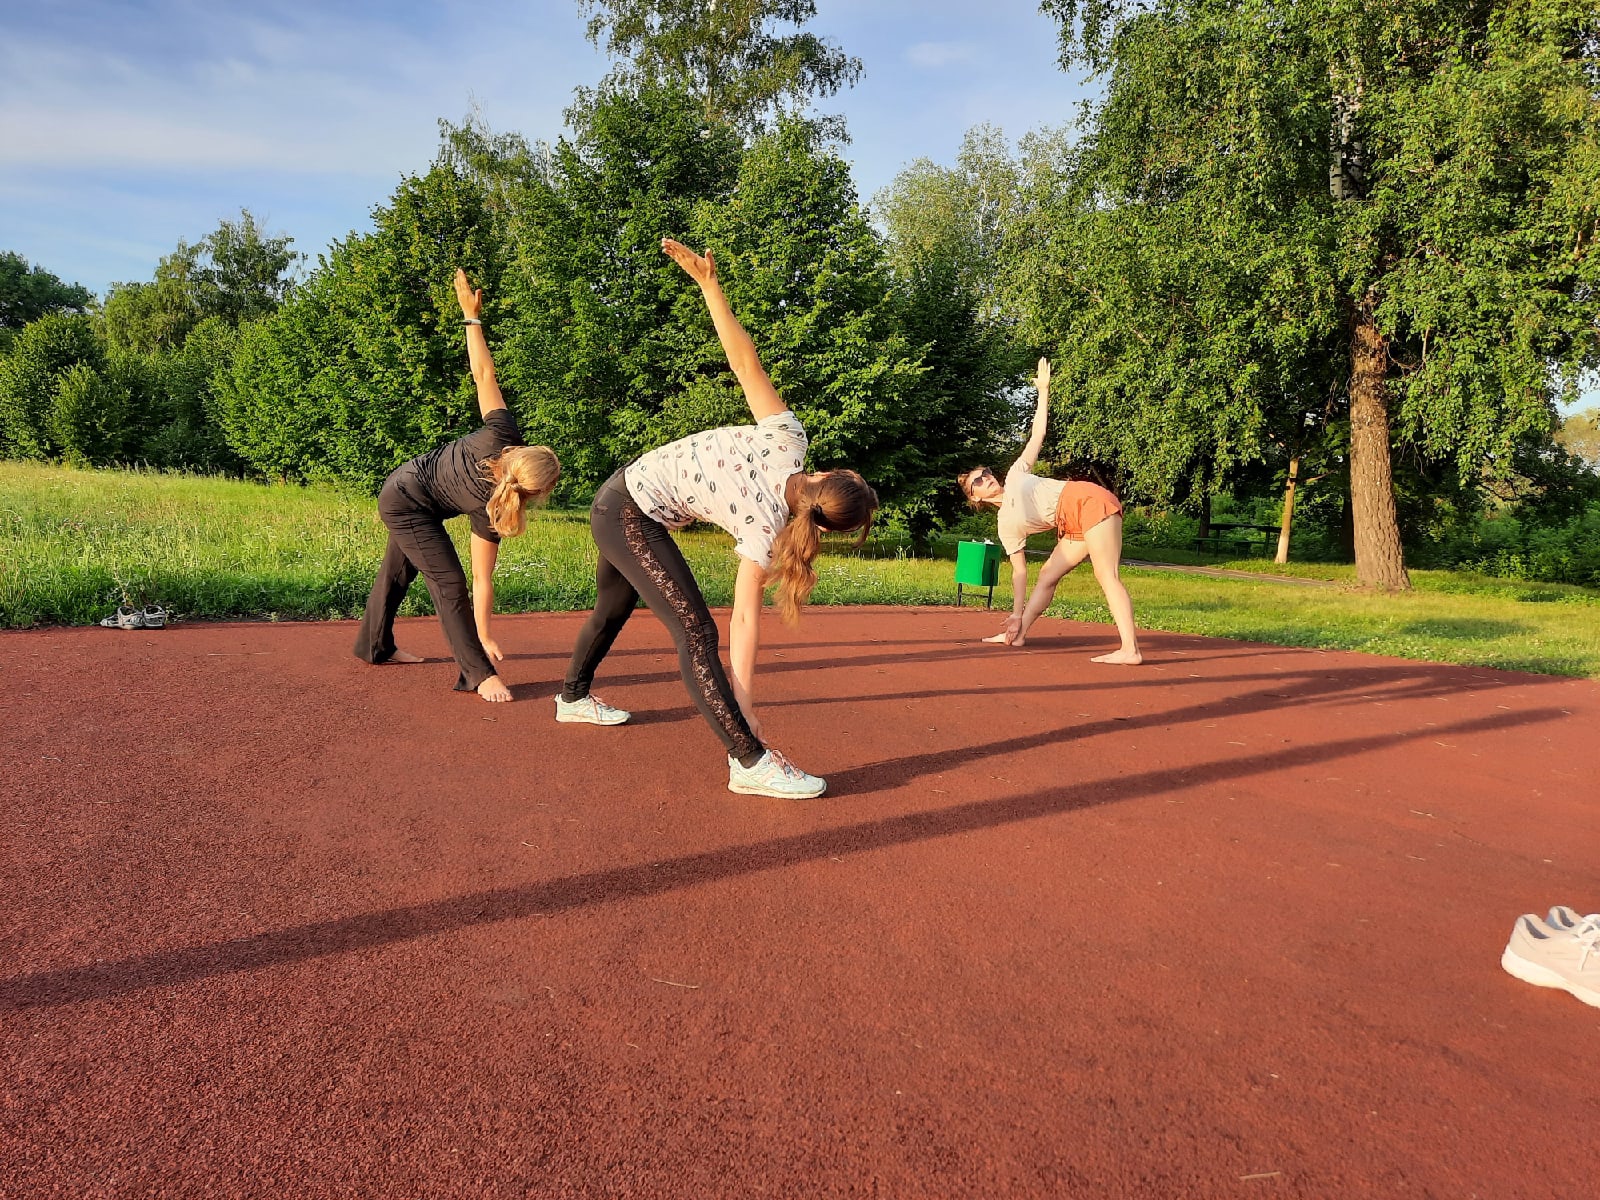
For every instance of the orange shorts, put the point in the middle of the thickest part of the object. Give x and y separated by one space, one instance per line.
1083 506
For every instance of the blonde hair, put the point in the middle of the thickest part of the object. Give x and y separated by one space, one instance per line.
837 500
522 475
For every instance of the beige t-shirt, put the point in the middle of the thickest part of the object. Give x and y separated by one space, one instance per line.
1029 506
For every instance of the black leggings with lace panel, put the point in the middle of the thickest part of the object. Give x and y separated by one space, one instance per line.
639 558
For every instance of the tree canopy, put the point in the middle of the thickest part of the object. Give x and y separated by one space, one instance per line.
945 230
364 365
1392 208
236 273
729 55
28 292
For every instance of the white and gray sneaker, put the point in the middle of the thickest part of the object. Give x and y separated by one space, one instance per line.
591 710
1567 920
1569 959
773 775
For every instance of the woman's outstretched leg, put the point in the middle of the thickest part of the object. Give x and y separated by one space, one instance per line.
375 638
614 603
649 564
1063 558
1105 553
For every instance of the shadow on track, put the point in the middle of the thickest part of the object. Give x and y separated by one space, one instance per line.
72 985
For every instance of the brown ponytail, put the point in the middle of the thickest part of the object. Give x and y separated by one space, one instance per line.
522 475
836 500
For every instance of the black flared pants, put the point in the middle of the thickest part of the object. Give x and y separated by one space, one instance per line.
418 542
639 558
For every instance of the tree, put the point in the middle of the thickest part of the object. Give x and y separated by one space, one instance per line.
28 293
236 273
89 416
727 54
46 351
1403 195
1172 383
155 316
364 366
240 273
183 428
945 228
807 274
609 351
591 343
1580 437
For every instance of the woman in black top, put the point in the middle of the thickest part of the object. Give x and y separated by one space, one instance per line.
489 477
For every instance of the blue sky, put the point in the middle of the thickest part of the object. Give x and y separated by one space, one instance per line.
126 125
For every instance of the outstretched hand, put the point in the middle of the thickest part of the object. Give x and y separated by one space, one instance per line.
1041 379
470 299
701 268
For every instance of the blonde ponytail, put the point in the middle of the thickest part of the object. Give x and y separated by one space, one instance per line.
523 476
835 500
796 548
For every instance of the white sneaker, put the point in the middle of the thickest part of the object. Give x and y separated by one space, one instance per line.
1569 960
591 710
1569 920
773 775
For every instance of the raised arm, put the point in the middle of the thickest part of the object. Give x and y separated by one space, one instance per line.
489 397
1041 417
759 393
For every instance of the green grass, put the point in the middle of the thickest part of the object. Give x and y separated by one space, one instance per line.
74 544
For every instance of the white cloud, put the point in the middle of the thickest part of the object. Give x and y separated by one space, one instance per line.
935 55
298 91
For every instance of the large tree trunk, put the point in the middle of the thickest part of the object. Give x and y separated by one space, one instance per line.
1379 561
1205 515
1288 512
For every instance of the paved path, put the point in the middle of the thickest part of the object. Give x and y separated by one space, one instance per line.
279 924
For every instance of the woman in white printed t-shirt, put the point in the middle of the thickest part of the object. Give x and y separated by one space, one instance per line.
1087 519
751 481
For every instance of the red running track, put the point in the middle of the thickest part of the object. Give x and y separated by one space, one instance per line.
275 923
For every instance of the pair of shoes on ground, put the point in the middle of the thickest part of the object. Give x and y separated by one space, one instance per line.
771 775
1558 951
126 617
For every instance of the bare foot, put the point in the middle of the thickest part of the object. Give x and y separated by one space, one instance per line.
404 656
494 691
1122 658
998 639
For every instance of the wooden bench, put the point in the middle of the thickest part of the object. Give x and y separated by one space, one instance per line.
1225 537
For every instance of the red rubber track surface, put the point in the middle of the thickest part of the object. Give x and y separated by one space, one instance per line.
275 923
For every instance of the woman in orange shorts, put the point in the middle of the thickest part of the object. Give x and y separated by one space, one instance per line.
1087 519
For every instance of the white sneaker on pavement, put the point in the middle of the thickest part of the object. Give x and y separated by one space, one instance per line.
591 710
1569 960
773 775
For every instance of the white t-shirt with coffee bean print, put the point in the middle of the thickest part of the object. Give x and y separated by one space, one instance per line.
731 477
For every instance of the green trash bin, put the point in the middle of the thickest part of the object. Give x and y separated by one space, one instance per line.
977 565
